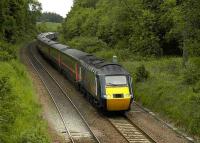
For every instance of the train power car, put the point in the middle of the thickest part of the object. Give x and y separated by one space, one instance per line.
106 84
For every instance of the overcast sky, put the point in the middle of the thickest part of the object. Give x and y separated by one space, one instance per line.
61 7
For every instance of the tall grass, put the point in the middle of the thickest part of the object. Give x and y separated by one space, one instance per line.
169 90
20 115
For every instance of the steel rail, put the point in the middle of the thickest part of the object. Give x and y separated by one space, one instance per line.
84 120
49 92
143 132
129 130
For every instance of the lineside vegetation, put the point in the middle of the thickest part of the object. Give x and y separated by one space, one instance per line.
157 41
21 119
20 114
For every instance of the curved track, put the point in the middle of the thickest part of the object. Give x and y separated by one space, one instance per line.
122 123
74 123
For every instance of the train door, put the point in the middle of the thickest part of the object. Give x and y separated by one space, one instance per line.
80 73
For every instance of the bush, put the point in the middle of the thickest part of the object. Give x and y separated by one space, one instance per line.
196 88
41 28
7 51
141 73
33 136
106 54
20 118
194 116
8 106
88 44
192 74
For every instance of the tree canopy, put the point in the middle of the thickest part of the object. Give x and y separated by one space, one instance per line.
147 27
18 17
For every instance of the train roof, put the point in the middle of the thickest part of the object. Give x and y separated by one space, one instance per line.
47 41
91 62
101 66
113 69
60 47
77 54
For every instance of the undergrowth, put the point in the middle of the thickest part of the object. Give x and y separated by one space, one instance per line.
171 90
20 114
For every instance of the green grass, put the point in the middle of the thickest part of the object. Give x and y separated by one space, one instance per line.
20 114
171 90
48 26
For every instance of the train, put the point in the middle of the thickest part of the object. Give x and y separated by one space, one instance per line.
106 84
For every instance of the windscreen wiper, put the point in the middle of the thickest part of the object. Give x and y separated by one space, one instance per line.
112 84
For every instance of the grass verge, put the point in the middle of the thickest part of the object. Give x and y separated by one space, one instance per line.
170 90
20 115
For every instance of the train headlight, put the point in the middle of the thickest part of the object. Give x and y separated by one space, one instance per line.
107 96
126 95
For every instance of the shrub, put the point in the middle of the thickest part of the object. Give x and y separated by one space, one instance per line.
20 119
88 44
41 27
141 73
7 51
194 105
196 88
8 106
106 54
34 136
192 74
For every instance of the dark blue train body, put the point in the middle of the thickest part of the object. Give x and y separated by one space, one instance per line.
108 85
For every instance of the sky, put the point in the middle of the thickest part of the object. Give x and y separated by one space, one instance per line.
61 7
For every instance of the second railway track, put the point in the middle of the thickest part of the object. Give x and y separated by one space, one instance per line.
74 123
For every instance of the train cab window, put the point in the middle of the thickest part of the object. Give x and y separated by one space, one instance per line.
116 80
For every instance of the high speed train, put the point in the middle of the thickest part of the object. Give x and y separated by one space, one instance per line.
108 85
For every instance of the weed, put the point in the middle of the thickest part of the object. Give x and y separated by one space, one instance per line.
19 111
141 73
164 91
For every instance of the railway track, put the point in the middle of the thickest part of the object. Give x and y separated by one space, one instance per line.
75 125
129 130
121 123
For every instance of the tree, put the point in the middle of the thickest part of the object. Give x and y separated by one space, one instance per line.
147 27
17 18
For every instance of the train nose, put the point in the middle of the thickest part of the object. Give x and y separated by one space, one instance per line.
118 104
118 98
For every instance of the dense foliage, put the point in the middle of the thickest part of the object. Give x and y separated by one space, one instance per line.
20 115
170 90
18 18
143 27
50 17
7 51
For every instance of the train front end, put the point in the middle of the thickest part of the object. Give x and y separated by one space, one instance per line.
116 90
